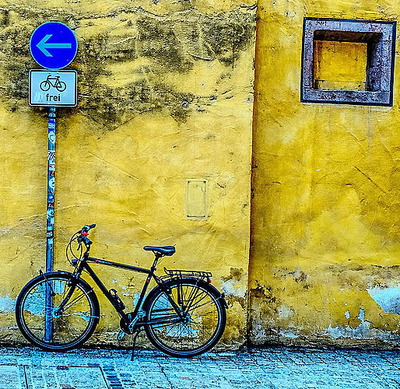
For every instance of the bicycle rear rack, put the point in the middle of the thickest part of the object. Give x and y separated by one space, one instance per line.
203 275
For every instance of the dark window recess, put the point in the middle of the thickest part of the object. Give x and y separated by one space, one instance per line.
367 47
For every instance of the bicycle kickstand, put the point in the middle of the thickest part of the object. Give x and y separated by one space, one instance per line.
134 342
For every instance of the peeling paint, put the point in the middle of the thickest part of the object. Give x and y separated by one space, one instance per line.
362 331
136 298
235 284
232 288
387 298
288 334
285 312
258 330
7 304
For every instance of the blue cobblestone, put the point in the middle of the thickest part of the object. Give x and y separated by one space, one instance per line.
30 368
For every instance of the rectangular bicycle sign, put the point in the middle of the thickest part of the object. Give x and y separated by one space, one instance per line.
53 88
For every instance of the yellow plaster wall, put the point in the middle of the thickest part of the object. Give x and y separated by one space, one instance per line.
325 248
332 69
165 93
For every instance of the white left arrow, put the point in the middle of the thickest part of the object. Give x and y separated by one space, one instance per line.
43 45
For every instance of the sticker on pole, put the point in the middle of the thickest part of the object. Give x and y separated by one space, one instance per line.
53 45
53 89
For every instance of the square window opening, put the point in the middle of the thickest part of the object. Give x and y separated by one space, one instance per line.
348 61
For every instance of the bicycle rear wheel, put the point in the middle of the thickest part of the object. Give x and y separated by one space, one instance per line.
45 85
203 323
42 320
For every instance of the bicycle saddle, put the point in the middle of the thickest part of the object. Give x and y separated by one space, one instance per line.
164 250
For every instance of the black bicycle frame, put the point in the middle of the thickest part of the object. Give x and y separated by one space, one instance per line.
150 274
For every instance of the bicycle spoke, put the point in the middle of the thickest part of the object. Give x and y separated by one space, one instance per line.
196 303
191 297
74 301
202 306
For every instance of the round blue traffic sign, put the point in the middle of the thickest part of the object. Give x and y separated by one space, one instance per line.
53 45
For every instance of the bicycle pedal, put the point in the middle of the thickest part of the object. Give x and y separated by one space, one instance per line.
121 335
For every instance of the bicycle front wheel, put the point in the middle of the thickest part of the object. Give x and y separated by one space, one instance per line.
201 325
56 312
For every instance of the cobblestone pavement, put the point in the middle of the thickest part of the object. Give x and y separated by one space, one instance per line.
266 368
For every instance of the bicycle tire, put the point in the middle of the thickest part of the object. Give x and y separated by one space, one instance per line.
45 85
68 329
203 328
61 86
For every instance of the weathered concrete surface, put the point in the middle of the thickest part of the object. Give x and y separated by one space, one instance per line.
165 96
326 185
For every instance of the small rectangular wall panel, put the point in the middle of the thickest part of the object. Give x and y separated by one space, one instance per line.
196 198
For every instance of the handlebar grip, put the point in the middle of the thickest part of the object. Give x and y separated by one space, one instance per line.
87 228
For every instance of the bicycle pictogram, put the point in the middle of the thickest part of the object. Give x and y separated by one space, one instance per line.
54 82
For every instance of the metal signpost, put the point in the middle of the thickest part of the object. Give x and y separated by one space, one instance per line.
53 46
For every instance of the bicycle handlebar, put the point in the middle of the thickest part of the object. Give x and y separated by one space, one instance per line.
87 228
86 240
83 234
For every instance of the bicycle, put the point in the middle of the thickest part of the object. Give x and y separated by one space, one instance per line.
183 315
55 82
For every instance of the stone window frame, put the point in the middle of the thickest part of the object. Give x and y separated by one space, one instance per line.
380 37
